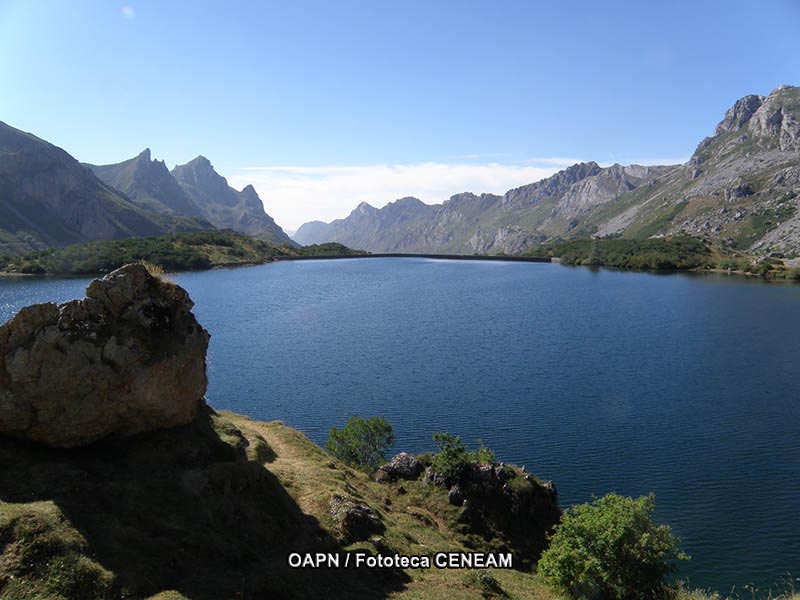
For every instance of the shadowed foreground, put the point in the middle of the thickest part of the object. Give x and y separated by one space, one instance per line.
192 509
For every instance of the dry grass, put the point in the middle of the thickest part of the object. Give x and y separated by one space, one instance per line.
156 271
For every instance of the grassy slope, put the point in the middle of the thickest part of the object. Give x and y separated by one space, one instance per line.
418 522
211 510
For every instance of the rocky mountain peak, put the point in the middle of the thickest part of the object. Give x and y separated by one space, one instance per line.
199 171
144 155
406 203
778 118
364 208
553 186
251 198
738 115
200 161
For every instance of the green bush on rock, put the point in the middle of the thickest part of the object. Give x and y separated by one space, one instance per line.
611 549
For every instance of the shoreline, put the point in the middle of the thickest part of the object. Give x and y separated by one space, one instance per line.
534 259
459 257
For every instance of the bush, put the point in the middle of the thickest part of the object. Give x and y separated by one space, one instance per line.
659 253
32 269
362 443
610 548
482 454
451 459
453 456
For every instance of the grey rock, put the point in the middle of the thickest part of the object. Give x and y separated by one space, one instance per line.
455 496
432 478
405 466
739 114
128 358
356 520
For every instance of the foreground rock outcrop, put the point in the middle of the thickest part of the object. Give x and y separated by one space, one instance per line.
128 358
508 508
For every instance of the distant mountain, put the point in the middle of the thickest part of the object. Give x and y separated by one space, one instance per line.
740 189
47 198
149 184
310 231
225 207
193 189
468 223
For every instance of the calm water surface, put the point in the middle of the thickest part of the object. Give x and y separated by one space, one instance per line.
601 381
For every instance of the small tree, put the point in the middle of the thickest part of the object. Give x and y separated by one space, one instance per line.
362 443
451 459
610 548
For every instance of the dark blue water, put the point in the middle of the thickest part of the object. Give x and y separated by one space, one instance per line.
687 386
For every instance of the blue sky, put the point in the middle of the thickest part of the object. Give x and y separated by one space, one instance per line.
324 104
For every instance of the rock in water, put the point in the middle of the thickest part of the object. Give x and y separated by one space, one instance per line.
128 358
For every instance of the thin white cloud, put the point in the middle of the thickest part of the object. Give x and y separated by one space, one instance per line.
294 195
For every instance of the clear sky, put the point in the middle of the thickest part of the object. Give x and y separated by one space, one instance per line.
324 104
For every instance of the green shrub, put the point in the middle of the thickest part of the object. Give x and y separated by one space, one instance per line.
763 268
362 443
610 548
451 459
659 253
482 454
793 274
32 268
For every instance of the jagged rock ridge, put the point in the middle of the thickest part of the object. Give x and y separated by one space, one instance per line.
225 207
149 184
468 223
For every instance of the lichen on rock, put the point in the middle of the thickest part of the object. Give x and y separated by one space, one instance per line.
128 358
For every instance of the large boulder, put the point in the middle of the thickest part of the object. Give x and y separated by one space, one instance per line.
128 358
356 519
402 466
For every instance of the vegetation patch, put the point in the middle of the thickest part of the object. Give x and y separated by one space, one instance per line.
177 252
657 254
362 443
610 548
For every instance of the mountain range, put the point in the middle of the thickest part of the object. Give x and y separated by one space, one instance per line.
48 198
194 189
739 190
